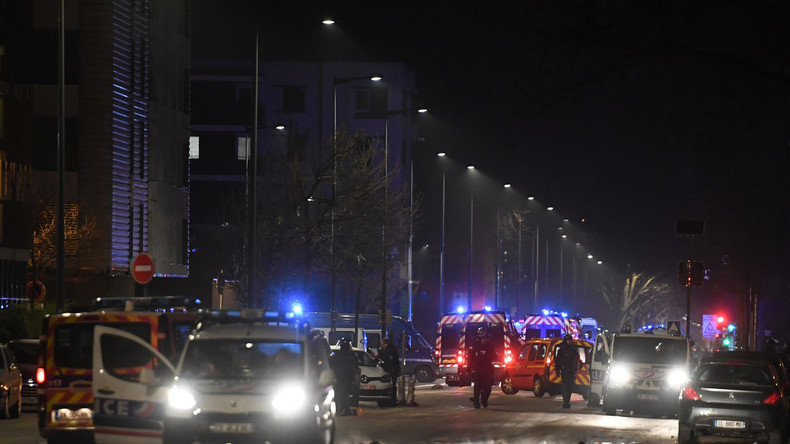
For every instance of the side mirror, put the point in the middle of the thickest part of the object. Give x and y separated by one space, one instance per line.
148 377
327 377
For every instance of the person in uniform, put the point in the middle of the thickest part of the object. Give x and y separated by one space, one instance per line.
481 362
567 363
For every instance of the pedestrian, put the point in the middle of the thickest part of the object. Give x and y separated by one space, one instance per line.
566 364
344 364
390 362
481 362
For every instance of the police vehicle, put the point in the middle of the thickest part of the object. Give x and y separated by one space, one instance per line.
242 377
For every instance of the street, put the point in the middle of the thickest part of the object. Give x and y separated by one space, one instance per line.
445 415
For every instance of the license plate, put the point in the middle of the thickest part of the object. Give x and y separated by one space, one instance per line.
725 424
647 397
222 427
368 387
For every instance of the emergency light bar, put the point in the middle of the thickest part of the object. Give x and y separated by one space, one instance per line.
154 303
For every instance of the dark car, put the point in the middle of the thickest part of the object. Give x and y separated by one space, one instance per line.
26 353
778 360
729 396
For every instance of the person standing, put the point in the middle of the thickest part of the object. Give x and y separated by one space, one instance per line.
567 363
390 362
344 364
482 356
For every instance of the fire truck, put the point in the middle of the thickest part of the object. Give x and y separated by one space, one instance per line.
448 337
503 335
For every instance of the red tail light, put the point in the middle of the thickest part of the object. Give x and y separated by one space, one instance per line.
773 398
508 355
690 394
460 358
548 360
41 375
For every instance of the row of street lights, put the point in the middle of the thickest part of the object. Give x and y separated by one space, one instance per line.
536 253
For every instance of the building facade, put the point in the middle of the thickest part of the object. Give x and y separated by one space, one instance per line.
126 130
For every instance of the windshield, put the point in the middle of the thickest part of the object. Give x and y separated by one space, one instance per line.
232 358
650 349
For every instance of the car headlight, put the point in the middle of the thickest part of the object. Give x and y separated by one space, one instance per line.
618 375
180 398
289 399
677 377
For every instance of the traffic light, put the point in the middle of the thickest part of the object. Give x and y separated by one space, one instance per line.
691 273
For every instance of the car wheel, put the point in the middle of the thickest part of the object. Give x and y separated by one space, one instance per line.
776 437
593 400
685 435
608 408
507 386
16 411
423 373
538 387
5 412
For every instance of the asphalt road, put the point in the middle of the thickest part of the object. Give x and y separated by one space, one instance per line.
445 415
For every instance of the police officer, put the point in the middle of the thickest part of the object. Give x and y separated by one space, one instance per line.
344 364
567 362
481 361
390 362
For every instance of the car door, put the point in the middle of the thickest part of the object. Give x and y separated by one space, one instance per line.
536 363
598 365
130 385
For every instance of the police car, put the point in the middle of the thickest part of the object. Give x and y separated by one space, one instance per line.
375 384
242 377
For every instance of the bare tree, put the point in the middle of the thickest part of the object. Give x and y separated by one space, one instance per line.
642 299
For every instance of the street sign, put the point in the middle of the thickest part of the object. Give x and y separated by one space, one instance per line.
143 268
35 291
673 327
709 326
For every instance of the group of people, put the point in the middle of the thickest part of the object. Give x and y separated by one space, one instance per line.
344 363
482 355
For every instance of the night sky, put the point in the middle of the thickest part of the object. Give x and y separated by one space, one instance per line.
629 114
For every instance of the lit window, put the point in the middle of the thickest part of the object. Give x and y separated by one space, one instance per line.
243 148
194 147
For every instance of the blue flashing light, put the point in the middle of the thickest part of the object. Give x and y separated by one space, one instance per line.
563 314
650 327
460 309
297 309
487 308
546 312
198 301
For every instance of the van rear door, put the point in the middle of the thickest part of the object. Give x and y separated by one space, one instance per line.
130 385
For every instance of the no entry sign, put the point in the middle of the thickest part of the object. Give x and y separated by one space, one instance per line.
143 268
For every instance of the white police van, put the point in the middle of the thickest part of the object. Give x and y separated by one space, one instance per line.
244 378
640 372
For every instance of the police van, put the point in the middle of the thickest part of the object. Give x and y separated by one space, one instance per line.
419 353
448 338
65 380
247 376
502 335
639 372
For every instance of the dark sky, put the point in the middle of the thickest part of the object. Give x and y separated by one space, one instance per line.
631 114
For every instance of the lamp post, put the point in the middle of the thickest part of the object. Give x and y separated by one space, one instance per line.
335 82
384 220
441 251
471 243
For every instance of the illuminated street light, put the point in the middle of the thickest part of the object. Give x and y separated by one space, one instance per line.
328 21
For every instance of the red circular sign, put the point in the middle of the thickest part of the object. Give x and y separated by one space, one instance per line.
143 268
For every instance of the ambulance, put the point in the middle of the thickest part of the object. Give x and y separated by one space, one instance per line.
448 337
65 376
502 334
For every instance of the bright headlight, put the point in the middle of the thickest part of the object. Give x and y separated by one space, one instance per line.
180 398
618 375
289 399
677 377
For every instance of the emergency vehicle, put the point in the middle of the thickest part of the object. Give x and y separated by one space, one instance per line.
65 379
502 334
639 372
548 326
448 337
534 368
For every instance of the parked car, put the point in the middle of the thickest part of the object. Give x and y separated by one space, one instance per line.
375 384
26 353
729 396
10 385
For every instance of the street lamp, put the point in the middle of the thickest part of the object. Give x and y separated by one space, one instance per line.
384 218
335 82
441 253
